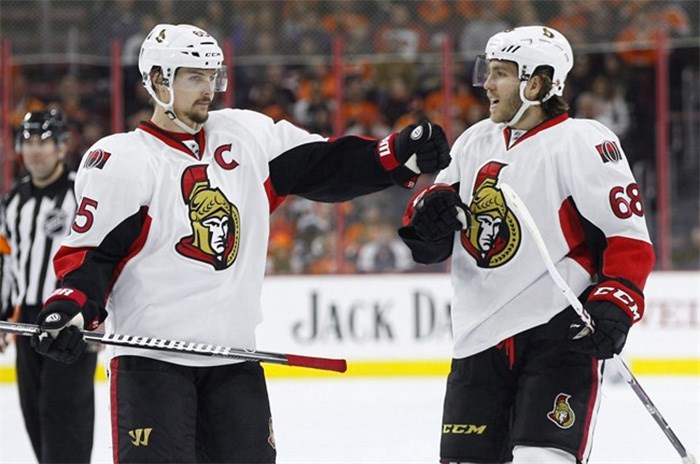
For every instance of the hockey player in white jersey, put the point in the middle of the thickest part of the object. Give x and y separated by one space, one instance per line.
521 386
170 241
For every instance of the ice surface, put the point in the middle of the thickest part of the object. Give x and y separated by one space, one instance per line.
397 420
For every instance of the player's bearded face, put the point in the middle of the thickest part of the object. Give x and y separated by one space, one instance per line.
194 91
503 90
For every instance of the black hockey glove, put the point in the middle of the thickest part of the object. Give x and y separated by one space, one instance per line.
416 149
611 327
614 305
436 213
60 321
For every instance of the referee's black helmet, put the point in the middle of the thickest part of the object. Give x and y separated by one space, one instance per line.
46 124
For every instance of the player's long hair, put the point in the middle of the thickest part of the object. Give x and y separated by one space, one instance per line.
556 105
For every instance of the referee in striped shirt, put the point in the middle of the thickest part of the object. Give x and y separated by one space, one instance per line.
57 399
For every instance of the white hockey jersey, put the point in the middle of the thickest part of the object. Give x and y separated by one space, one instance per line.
171 235
575 180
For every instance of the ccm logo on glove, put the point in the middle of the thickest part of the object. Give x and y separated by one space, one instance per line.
386 157
621 297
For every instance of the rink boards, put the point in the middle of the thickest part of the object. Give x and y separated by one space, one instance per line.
398 325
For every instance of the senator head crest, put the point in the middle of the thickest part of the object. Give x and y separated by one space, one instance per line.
215 221
494 233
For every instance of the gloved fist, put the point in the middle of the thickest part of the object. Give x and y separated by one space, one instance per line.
416 149
436 212
611 327
60 322
423 148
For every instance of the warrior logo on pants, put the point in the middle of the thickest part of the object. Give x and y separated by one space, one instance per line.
216 224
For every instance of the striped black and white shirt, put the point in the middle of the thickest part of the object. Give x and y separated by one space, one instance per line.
33 222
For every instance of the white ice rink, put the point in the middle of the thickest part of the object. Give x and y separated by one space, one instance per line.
397 420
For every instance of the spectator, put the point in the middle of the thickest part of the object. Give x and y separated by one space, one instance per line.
605 104
483 24
396 101
401 36
132 44
303 30
384 252
313 111
119 21
22 99
462 100
213 19
358 107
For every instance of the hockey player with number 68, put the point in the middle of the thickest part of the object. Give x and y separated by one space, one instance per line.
170 241
525 379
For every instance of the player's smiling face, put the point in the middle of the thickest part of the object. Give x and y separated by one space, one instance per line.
194 91
503 90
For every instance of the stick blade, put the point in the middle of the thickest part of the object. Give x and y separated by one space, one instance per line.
326 364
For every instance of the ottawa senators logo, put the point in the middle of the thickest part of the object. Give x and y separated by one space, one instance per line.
216 224
96 159
493 236
562 414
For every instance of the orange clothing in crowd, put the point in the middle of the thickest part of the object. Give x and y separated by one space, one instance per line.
308 87
364 112
469 8
434 12
461 102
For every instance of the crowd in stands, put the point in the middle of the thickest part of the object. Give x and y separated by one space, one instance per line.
391 77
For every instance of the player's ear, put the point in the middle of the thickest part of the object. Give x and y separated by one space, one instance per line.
158 82
533 89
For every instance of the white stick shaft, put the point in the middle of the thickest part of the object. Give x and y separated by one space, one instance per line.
519 207
517 204
217 351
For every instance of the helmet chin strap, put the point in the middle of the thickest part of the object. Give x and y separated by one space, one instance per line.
170 110
526 104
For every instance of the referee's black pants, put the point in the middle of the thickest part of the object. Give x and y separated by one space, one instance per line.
57 400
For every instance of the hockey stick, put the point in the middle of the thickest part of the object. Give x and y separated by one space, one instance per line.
216 351
516 203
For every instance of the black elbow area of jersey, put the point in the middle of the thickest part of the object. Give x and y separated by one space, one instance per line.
403 176
93 314
425 252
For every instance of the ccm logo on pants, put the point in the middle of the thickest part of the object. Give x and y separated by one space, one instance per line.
463 429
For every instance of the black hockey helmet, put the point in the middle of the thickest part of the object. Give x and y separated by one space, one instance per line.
45 124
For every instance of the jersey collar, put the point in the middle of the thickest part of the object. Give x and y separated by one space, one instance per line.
176 140
511 140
